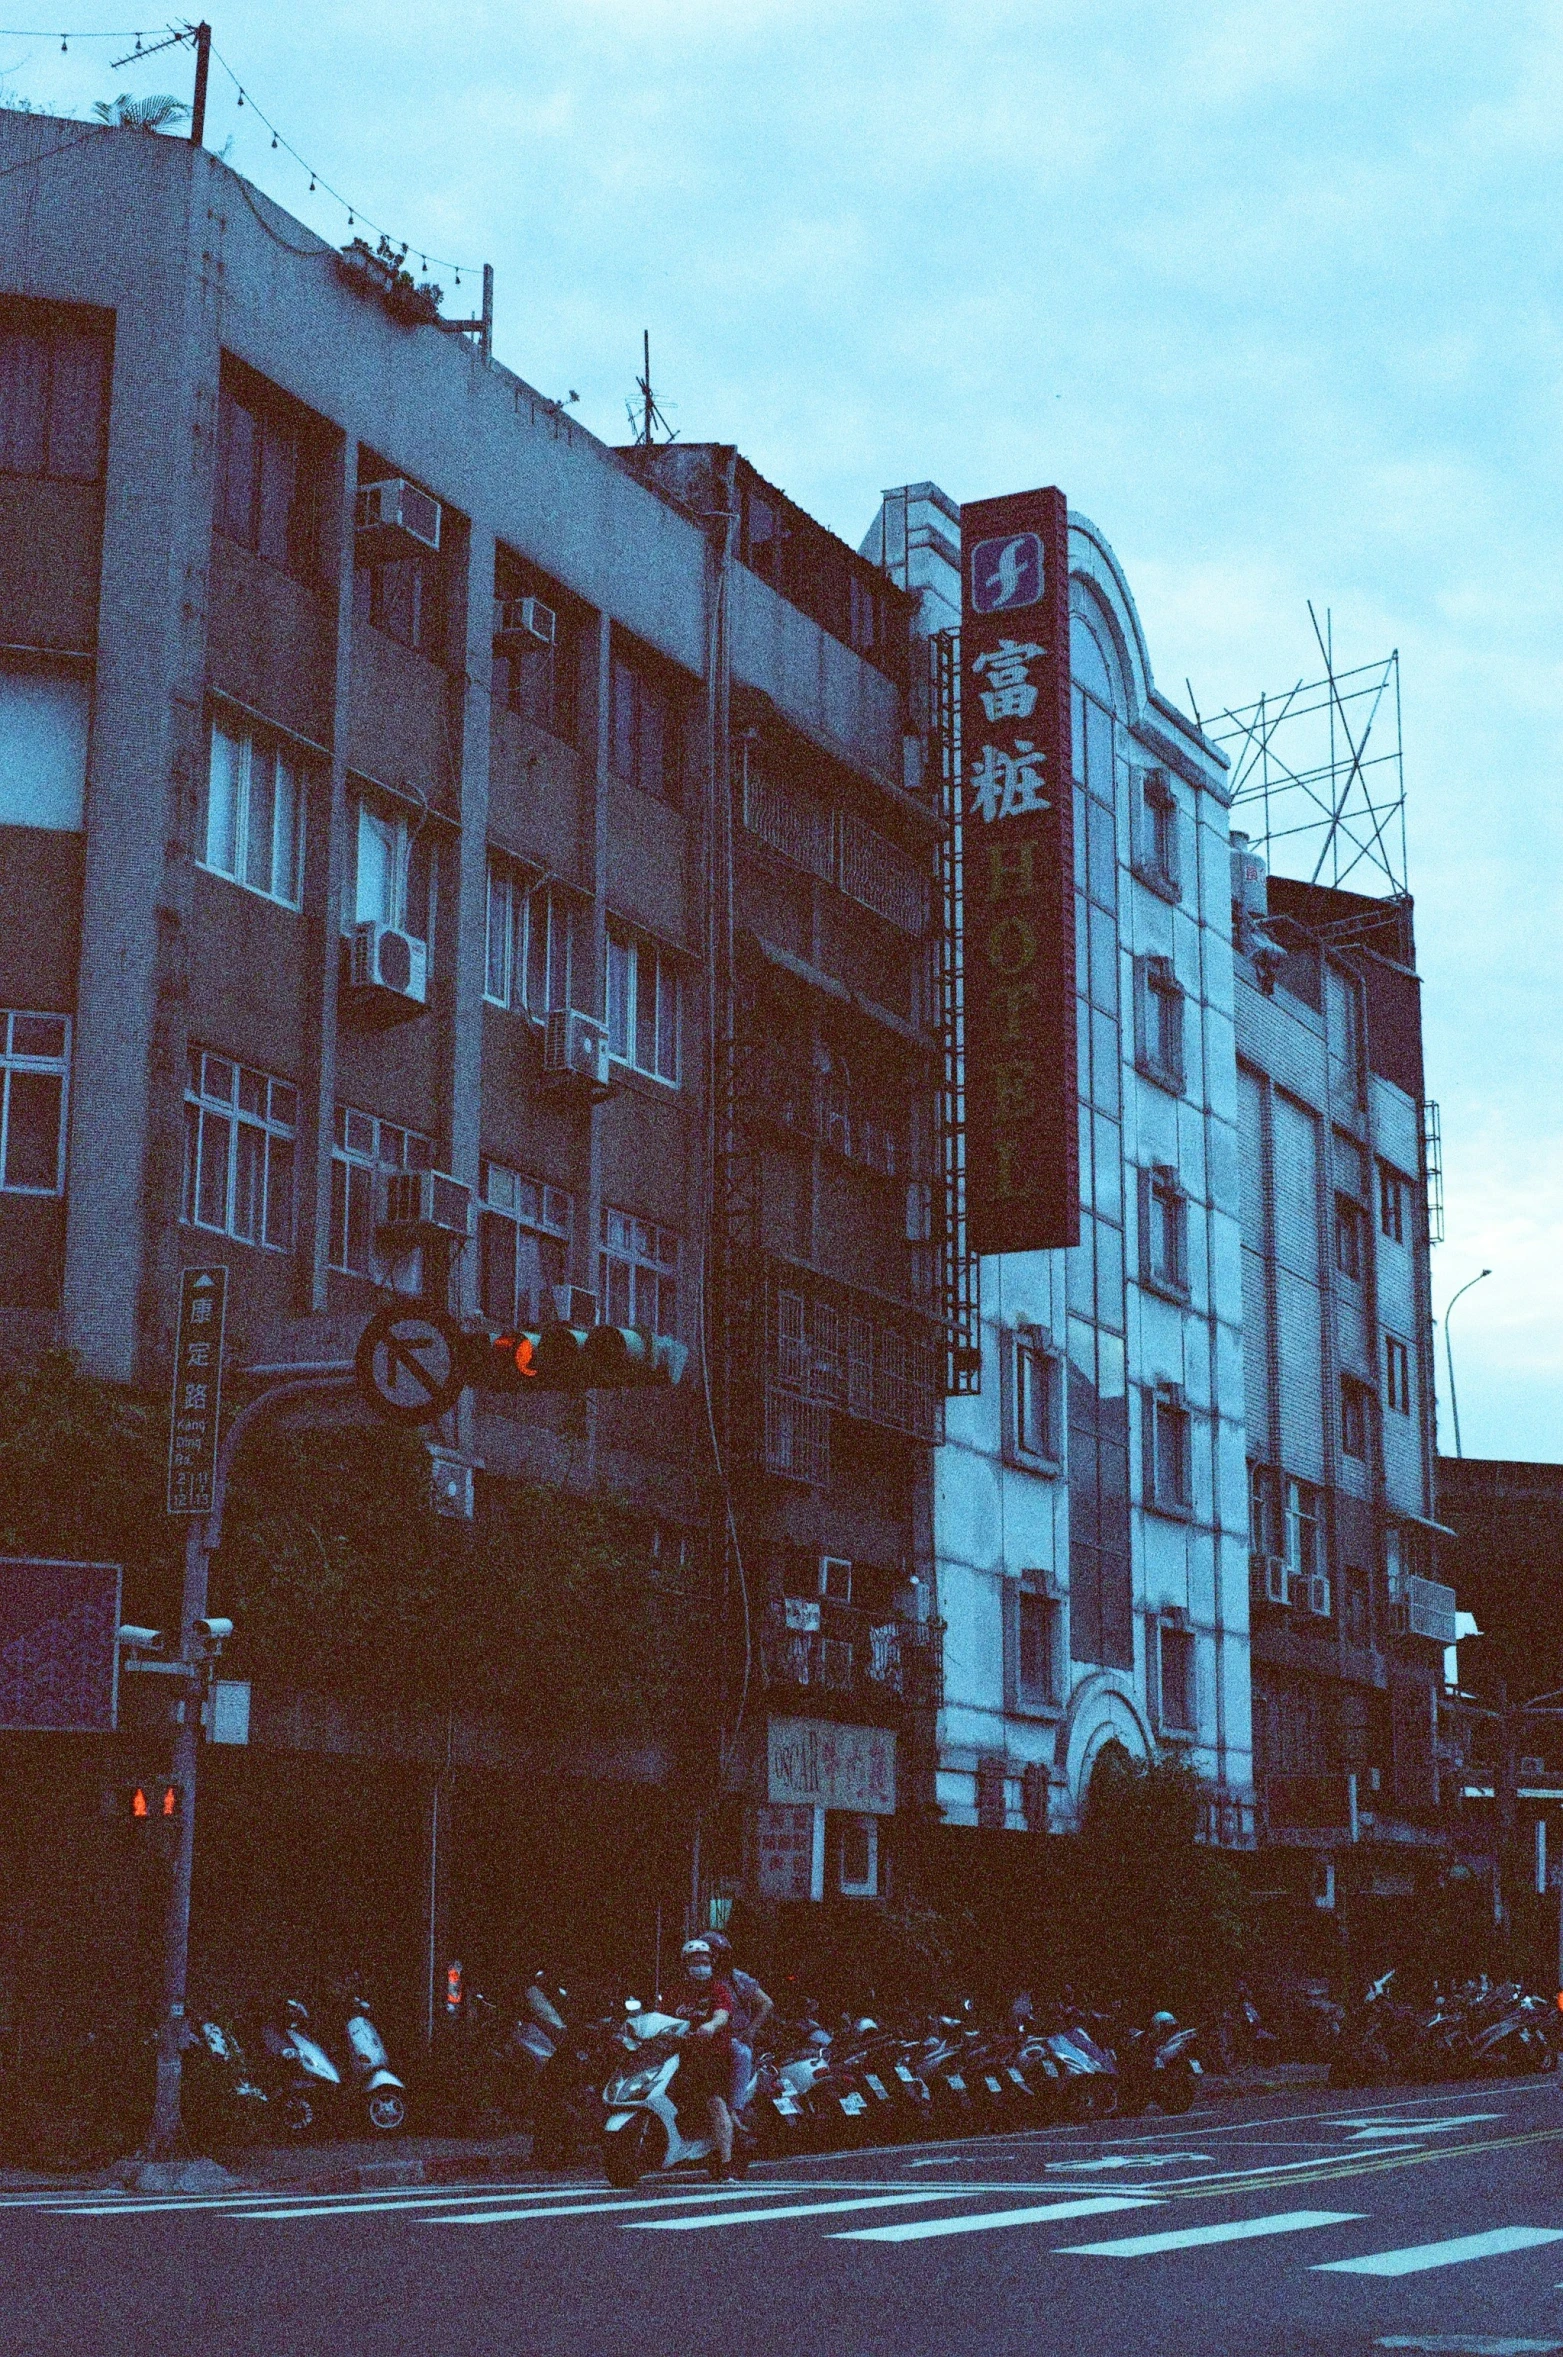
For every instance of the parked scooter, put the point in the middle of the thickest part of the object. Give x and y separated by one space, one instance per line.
645 2130
311 2090
381 2091
224 2101
1158 2065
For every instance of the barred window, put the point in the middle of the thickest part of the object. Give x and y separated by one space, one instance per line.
34 1072
523 1245
789 820
637 1273
875 873
363 1147
241 1130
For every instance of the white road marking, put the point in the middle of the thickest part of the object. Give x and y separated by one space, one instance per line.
1193 2238
594 2209
1418 2256
1482 2345
924 2229
867 2201
1126 2160
1370 2128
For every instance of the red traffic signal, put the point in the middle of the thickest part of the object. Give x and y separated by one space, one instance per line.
574 1359
154 1802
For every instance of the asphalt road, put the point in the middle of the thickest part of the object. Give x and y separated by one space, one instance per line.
1320 2225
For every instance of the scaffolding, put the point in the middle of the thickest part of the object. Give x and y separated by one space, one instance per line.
1318 779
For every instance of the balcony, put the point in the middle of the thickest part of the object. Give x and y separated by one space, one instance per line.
852 1655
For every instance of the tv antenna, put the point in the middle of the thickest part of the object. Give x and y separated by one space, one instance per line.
649 416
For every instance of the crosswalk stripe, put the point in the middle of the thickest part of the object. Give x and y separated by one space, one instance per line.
869 2201
1417 2256
634 2201
923 2229
1191 2238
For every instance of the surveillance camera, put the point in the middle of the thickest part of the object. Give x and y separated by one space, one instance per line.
213 1632
140 1640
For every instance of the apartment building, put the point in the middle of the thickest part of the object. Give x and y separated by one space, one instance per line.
1348 1620
1089 1511
395 779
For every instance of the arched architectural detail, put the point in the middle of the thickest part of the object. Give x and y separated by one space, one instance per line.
1102 1710
1100 597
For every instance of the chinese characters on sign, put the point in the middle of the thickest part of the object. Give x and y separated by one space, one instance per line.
784 1852
836 1767
1022 1154
197 1392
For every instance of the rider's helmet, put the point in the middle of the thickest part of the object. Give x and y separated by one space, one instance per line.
697 1960
720 1945
1161 2023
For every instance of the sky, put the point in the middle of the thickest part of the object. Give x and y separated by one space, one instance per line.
1271 291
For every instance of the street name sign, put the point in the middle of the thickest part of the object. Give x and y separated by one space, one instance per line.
197 1392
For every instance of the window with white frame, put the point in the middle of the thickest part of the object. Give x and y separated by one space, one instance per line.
637 1283
363 1147
1168 1451
1166 1230
1160 1022
241 1144
34 1072
1037 1375
255 813
538 959
394 868
643 994
1301 1528
1176 1685
523 1245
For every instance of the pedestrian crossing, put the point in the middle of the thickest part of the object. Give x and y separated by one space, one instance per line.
844 2211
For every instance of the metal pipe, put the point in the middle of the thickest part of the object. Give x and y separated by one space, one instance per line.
1454 1405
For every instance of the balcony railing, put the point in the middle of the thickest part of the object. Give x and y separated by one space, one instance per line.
855 1654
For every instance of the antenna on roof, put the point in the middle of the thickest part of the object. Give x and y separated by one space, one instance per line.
650 416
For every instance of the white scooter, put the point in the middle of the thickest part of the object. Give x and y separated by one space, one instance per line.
644 2131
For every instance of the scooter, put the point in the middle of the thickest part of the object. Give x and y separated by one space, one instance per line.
224 2101
645 2132
1160 2068
380 2090
302 2082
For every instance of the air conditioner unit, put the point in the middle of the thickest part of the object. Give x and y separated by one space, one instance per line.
395 519
1319 1594
1430 1610
524 622
575 1055
1277 1578
388 971
420 1204
1531 1765
835 1579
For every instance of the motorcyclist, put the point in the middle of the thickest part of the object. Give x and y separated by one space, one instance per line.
708 2004
755 2008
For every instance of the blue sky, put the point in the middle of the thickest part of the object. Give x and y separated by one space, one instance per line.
1271 291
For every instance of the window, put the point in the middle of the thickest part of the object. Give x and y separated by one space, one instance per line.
255 814
1161 1023
1301 1534
363 1147
1391 1203
637 1281
1160 860
1166 1230
538 680
241 1131
523 1245
643 731
1036 1649
642 1006
1397 1375
1350 1238
858 1858
1038 1376
265 482
1358 1612
394 870
1353 1418
538 955
53 396
34 1070
1167 1451
43 749
1175 1650
1264 1511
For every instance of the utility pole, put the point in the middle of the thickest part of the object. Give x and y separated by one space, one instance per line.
202 37
196 1657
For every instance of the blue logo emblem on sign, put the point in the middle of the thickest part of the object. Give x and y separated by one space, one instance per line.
1006 573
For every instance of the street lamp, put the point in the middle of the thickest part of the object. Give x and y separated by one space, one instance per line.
1454 1405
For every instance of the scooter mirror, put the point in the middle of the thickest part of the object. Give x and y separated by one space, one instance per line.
632 2005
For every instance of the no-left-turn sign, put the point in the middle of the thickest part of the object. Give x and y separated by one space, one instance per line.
408 1364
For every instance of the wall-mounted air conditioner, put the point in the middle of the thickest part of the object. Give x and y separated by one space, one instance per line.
395 519
575 1055
1277 1578
416 1205
1319 1594
835 1579
387 972
522 624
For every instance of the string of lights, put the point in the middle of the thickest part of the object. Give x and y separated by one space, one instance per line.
166 35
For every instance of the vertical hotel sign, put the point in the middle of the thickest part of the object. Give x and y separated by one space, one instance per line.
1022 1139
197 1392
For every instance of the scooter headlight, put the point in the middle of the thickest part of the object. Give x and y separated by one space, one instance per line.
634 2089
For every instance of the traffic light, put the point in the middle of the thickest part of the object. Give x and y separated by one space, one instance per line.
574 1359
